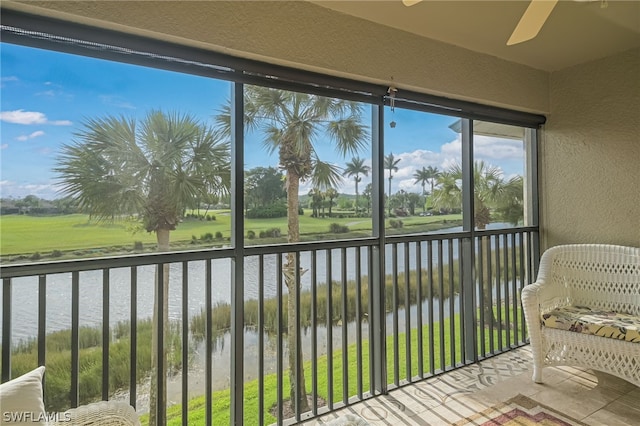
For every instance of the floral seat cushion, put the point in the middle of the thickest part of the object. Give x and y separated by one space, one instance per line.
581 319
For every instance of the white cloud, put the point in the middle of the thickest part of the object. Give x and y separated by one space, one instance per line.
487 148
4 146
7 79
47 93
491 148
21 116
10 188
116 101
33 135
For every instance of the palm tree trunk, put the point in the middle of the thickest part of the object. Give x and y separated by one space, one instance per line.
389 198
487 307
356 195
162 236
297 381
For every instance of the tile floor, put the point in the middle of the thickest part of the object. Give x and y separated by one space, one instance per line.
591 397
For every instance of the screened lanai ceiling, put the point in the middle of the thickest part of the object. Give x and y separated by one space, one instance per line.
577 31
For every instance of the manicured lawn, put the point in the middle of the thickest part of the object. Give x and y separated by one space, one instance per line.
22 234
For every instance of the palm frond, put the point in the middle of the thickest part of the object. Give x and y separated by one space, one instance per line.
325 175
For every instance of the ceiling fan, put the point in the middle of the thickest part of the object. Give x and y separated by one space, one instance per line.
531 21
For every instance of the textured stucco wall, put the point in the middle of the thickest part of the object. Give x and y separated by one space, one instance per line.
590 163
307 36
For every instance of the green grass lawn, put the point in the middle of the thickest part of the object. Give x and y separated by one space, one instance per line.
221 399
20 234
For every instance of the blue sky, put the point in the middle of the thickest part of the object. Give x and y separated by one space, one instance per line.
45 96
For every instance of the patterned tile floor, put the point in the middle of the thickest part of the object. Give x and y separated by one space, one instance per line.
591 397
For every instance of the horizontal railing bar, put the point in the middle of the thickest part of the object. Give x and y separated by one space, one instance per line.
309 246
64 266
112 262
504 231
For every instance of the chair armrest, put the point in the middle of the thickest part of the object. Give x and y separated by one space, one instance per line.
543 297
103 413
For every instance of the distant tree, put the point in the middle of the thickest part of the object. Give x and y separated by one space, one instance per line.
426 175
391 164
413 200
315 201
65 205
264 186
355 168
367 194
331 194
32 201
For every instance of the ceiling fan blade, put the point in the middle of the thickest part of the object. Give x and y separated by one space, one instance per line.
410 2
532 21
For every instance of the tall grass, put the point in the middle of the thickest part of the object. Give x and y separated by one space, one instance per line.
57 389
430 287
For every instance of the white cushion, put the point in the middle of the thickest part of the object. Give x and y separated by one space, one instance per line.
21 400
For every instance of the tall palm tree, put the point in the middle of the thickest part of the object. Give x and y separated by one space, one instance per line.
151 170
355 168
293 124
421 176
491 194
391 164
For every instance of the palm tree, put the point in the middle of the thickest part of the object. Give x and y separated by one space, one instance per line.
491 193
151 170
421 176
317 197
426 175
391 164
293 124
331 195
355 168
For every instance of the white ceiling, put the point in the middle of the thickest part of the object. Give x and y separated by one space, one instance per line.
576 32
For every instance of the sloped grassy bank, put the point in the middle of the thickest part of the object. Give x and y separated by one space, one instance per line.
221 399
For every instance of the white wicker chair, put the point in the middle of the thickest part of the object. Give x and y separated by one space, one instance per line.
103 413
603 277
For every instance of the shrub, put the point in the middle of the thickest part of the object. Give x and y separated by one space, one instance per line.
271 233
251 234
336 228
218 235
268 212
207 237
56 253
397 224
36 256
137 245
